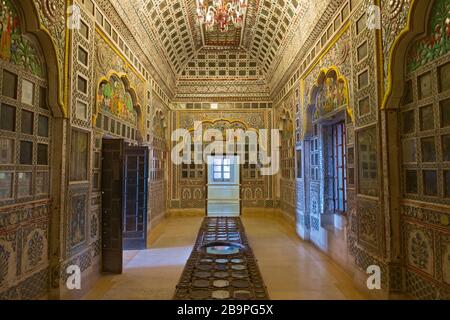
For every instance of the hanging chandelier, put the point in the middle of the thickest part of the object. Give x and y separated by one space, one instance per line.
221 12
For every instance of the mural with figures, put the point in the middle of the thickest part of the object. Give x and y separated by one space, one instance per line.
437 42
14 47
329 93
113 98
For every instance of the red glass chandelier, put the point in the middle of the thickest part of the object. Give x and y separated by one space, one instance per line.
221 13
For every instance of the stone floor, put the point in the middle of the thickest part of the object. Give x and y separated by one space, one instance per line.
291 269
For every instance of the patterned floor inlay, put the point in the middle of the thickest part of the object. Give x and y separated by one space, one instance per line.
222 265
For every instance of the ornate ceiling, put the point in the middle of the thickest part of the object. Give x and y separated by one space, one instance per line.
194 54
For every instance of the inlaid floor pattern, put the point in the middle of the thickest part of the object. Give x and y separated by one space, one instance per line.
222 265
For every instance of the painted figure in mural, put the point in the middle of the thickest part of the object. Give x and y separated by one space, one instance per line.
8 25
330 95
113 98
14 47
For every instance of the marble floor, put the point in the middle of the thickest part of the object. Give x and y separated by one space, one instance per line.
292 269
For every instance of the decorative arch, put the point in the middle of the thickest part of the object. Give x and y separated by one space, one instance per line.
330 93
225 124
116 96
220 124
29 24
416 26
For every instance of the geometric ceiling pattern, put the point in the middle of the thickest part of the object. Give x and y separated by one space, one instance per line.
171 27
273 20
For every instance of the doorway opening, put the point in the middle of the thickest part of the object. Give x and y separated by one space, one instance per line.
223 186
124 201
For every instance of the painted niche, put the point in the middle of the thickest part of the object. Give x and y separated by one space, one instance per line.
113 98
330 93
437 41
14 47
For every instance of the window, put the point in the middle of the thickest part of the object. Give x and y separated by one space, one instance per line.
82 56
340 172
79 156
315 153
84 29
27 92
82 85
9 85
222 169
25 144
299 164
8 117
368 162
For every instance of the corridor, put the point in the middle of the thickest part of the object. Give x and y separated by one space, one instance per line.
291 268
323 124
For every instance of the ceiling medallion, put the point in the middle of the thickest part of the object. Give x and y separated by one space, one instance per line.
221 12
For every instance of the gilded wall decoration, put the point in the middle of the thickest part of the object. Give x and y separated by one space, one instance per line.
330 93
394 21
437 42
109 61
188 184
114 99
14 46
52 18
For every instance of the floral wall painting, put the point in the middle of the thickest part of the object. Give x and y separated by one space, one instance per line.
14 47
77 220
114 99
420 253
437 41
330 93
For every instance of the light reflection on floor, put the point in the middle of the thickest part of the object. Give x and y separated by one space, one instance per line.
291 268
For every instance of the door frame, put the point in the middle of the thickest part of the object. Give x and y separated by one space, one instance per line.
240 184
115 264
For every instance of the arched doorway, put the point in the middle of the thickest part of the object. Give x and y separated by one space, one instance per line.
122 174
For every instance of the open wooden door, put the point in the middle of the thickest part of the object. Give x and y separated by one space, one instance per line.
135 198
124 201
112 205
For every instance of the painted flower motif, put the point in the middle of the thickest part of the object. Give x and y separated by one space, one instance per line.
35 249
435 44
419 251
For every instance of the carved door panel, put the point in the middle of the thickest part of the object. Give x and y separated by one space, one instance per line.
112 206
135 198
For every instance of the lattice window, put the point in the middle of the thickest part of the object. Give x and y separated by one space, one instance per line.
25 142
339 166
315 154
222 169
425 133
